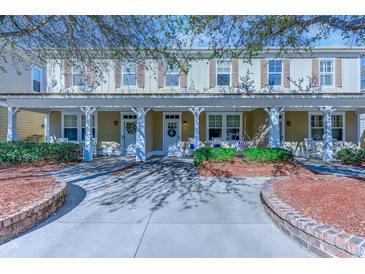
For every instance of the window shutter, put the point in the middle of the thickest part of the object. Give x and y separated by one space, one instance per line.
118 74
68 75
140 75
183 76
213 73
234 64
338 72
263 73
286 76
315 72
161 75
90 75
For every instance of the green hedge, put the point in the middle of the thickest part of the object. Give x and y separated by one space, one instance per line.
213 154
351 155
28 152
266 155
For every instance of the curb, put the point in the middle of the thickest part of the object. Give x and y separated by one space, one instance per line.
324 240
13 225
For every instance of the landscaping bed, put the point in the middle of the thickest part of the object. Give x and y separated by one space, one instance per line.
23 185
336 201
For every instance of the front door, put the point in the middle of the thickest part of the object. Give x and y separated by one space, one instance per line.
129 142
172 135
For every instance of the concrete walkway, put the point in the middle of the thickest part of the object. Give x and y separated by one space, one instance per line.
333 168
158 209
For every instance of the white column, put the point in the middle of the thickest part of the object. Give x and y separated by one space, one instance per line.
274 126
88 146
360 127
46 128
196 112
11 134
141 133
327 134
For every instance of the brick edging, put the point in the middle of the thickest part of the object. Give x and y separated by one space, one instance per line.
20 222
322 239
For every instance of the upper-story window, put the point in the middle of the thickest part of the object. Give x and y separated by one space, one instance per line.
326 72
172 77
275 72
129 75
362 73
78 75
223 73
36 79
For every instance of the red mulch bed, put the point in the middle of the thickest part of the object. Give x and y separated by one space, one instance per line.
237 167
337 201
22 185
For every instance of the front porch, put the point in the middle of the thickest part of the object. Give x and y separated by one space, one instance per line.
176 125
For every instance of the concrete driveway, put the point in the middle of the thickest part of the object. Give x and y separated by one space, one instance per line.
158 209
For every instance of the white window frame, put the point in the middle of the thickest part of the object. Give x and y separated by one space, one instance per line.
79 124
172 73
224 125
78 63
268 72
41 82
136 71
327 73
343 114
230 72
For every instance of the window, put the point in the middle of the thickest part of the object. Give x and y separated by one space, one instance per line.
215 126
36 79
317 127
275 72
226 126
326 72
70 127
223 73
362 76
78 75
233 127
83 126
173 77
129 74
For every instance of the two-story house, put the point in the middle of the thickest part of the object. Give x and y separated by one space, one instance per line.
27 77
162 111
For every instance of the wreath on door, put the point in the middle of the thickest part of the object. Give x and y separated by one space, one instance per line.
131 128
171 132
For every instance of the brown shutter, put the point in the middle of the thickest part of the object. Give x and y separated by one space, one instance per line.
161 75
118 74
140 75
234 63
286 80
263 73
338 72
90 75
213 73
315 72
68 76
183 75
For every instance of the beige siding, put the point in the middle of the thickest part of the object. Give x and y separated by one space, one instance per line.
296 126
149 131
157 131
188 127
351 127
3 123
107 131
55 124
257 127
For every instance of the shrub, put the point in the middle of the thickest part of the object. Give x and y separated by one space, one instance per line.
266 155
351 155
28 152
35 138
213 154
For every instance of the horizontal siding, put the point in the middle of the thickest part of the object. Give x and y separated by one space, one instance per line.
3 123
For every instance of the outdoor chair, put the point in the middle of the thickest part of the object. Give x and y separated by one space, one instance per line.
62 140
216 142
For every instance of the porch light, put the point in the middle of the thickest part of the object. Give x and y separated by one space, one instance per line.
115 123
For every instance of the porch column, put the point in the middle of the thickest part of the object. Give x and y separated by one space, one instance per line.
11 134
274 126
196 112
327 134
88 146
141 133
46 128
